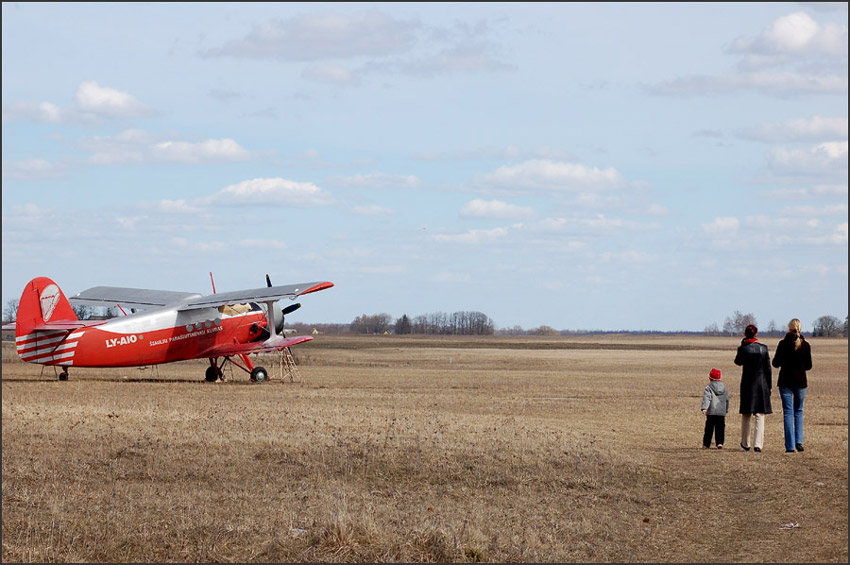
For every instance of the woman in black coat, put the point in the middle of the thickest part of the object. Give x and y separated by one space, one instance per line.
754 358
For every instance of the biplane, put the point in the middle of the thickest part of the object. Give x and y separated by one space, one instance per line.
162 327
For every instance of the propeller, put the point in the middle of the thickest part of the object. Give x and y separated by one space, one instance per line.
280 314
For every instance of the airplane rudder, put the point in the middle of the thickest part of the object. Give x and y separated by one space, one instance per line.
42 301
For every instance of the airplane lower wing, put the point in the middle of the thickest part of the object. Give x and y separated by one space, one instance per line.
276 343
65 325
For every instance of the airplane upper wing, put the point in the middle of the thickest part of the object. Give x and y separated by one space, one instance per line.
264 294
274 344
131 297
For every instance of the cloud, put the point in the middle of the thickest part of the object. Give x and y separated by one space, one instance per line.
496 209
331 74
375 42
722 226
316 37
817 54
92 103
548 176
465 58
43 112
134 146
473 237
792 227
796 34
32 169
815 128
777 83
376 180
451 278
210 150
823 158
373 210
269 192
263 244
506 153
108 102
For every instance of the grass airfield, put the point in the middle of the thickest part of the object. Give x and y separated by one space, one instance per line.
394 448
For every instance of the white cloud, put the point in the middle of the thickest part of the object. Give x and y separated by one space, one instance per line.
383 269
332 74
210 150
776 83
179 206
465 57
314 37
506 153
496 209
32 169
376 180
44 112
270 191
816 52
820 159
726 226
814 211
796 34
108 102
839 236
815 128
373 210
447 277
547 175
262 244
92 103
135 147
473 237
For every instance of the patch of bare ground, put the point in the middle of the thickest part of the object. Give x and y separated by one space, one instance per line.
581 448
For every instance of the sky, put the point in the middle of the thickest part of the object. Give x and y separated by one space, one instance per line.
592 166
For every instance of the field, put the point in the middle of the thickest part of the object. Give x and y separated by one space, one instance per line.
393 448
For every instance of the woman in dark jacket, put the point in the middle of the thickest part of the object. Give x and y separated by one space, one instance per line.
793 357
754 357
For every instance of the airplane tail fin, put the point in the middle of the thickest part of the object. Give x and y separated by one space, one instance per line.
42 301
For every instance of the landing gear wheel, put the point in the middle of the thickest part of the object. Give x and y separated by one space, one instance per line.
213 374
259 375
63 376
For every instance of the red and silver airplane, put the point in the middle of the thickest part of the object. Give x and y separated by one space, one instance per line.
164 327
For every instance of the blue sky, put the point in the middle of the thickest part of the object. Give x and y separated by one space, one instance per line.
581 166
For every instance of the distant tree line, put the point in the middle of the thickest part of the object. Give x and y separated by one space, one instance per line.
825 326
435 323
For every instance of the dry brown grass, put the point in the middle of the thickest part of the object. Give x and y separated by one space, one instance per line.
421 449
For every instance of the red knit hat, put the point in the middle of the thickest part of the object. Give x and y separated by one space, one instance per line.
714 375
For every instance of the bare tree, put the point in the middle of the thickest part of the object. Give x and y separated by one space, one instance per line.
827 326
773 329
736 324
10 313
83 312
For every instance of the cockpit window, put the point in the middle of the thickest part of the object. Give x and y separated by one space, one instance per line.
235 309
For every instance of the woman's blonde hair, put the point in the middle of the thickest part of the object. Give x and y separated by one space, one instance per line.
796 327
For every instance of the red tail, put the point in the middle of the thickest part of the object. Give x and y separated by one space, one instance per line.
42 301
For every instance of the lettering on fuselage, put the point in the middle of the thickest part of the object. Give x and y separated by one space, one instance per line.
125 340
185 336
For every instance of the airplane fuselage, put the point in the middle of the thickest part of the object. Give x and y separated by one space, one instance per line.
161 336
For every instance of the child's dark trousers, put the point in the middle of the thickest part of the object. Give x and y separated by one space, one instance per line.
714 425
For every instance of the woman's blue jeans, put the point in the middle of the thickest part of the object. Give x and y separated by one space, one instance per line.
792 415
